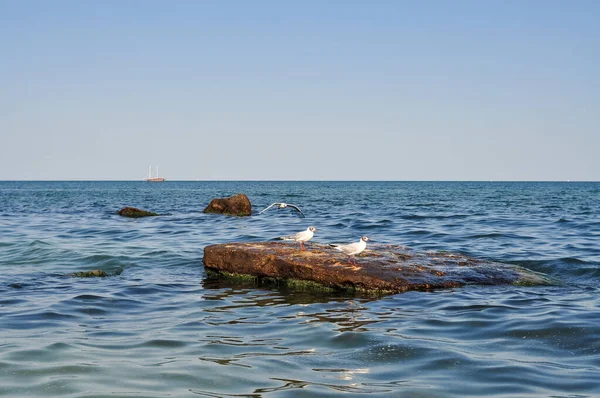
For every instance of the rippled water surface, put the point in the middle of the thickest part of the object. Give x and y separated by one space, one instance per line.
160 328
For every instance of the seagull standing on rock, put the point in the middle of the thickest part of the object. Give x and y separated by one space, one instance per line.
303 236
353 249
281 205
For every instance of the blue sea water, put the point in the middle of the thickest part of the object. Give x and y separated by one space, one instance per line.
160 328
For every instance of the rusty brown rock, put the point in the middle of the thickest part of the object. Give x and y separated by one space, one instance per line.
237 205
384 268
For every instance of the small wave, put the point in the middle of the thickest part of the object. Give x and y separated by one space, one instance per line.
11 301
89 297
551 207
338 225
434 217
163 343
492 235
418 232
570 260
154 253
91 311
422 204
39 243
589 275
488 235
413 217
570 269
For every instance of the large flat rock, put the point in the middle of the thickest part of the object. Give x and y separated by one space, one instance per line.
385 268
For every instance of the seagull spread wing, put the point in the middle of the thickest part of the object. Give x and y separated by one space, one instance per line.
262 211
296 207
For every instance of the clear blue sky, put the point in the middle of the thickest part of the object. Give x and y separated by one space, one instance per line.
301 90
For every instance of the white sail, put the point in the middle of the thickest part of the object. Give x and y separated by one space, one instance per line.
153 179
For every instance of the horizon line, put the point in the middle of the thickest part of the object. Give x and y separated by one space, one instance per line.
278 180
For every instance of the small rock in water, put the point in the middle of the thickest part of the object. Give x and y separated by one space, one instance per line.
90 274
237 205
133 212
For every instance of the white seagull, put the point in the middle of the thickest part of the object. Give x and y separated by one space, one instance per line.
303 236
353 249
281 205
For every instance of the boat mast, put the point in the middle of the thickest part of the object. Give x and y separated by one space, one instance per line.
149 171
156 171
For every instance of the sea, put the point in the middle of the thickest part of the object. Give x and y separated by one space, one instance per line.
159 327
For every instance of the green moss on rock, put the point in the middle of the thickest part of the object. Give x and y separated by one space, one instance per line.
90 274
291 283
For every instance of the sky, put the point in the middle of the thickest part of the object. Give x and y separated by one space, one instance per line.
300 90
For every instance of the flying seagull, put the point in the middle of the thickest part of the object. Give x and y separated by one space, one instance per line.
281 205
352 249
303 236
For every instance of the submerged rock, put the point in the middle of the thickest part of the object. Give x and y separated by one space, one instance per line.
135 212
90 274
383 268
237 205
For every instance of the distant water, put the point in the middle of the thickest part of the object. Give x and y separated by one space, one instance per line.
160 329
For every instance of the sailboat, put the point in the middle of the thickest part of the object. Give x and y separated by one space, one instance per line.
153 179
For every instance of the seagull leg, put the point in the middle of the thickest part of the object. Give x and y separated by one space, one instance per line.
354 259
302 246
